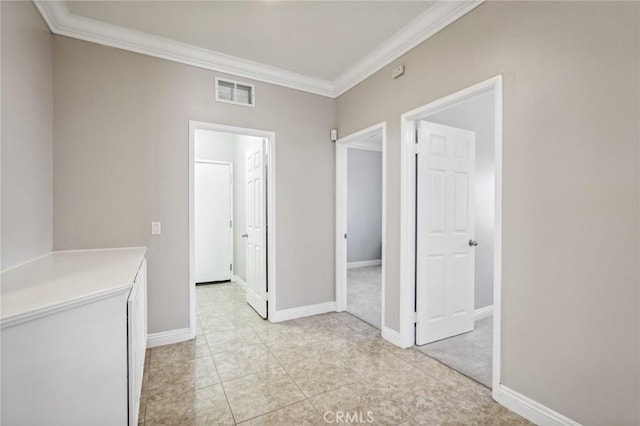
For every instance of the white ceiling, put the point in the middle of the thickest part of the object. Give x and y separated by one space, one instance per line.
321 47
316 39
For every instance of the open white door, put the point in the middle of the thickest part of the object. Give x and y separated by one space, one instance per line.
256 233
445 232
213 221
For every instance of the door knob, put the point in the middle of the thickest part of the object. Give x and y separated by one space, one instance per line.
473 243
245 235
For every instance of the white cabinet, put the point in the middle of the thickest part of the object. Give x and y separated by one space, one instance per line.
137 340
73 330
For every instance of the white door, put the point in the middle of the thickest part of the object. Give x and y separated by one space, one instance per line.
256 233
445 232
213 221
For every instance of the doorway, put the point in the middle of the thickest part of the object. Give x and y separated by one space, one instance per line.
451 228
231 218
360 223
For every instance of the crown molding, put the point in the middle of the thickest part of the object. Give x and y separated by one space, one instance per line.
428 23
62 22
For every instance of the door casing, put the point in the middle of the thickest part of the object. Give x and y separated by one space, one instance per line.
406 334
270 161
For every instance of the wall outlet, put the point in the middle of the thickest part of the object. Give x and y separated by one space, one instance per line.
156 228
397 71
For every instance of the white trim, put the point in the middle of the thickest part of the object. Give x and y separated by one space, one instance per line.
435 18
168 337
363 263
64 23
236 279
271 214
303 311
342 145
394 337
485 312
408 218
530 409
366 146
430 22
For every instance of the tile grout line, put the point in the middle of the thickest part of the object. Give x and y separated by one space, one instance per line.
224 391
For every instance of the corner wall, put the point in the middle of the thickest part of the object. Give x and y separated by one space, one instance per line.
27 135
570 278
121 139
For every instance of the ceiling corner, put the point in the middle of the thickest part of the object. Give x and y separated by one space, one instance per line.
60 21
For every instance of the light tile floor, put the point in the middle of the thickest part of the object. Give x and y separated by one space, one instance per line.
242 369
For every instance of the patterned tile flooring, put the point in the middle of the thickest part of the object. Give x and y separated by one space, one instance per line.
325 369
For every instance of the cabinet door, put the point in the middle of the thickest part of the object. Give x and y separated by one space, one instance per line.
137 339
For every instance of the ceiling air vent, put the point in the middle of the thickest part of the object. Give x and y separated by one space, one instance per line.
234 92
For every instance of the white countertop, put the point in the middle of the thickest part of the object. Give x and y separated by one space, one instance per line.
64 278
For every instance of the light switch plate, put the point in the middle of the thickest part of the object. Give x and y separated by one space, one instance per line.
156 228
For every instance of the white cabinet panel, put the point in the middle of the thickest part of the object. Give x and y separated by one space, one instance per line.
73 338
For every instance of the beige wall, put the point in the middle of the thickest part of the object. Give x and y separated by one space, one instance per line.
121 161
27 111
571 188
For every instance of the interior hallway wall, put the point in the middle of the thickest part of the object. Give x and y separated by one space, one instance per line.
477 115
364 205
121 138
571 186
27 134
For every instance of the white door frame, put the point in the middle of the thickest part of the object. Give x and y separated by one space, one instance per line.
271 211
342 144
226 163
408 213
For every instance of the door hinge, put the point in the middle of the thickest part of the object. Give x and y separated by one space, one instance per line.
415 317
231 266
417 141
231 224
345 236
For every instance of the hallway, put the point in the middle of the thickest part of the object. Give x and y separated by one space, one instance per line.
242 369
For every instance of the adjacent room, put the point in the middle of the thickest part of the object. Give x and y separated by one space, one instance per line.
363 230
467 349
229 210
319 212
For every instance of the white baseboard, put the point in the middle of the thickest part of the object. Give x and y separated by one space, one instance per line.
239 281
360 264
530 409
485 312
391 336
303 311
396 338
168 337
